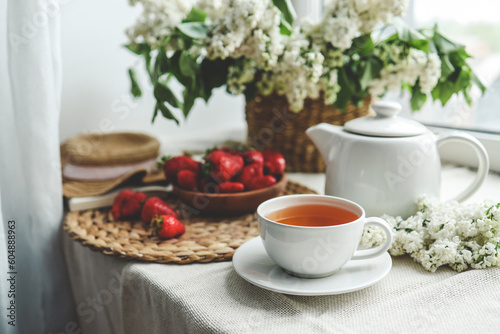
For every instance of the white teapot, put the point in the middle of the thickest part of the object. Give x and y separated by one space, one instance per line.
386 162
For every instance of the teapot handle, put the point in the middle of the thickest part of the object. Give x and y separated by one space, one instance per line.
483 166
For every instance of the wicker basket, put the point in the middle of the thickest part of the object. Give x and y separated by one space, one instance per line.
272 125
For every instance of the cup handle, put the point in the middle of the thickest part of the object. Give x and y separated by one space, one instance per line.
482 156
377 251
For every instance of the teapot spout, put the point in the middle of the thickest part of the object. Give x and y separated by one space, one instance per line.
322 136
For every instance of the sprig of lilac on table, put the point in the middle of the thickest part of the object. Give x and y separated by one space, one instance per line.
460 236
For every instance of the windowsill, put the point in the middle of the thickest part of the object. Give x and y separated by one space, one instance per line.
453 180
464 156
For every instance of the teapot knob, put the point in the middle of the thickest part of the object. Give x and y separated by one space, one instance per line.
386 108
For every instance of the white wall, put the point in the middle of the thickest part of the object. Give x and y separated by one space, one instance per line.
96 85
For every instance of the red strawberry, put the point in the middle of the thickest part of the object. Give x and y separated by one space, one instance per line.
187 179
222 166
155 206
274 163
251 157
230 187
262 182
249 173
172 166
166 227
127 204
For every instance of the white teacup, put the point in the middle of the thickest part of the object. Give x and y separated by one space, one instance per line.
316 251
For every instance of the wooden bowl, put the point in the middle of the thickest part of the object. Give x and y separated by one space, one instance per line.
228 204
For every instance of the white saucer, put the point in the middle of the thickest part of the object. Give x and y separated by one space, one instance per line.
253 264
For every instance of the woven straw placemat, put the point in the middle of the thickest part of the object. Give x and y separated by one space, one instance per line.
206 239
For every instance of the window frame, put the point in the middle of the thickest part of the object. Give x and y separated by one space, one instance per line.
454 153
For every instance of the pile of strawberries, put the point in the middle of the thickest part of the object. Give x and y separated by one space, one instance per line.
223 170
226 170
153 211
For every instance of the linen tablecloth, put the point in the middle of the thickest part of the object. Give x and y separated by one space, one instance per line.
119 296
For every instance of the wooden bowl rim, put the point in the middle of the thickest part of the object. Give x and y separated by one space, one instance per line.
283 180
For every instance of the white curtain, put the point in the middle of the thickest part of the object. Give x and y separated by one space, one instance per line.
30 181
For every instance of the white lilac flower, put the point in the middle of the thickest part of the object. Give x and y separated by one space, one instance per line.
346 19
246 28
431 74
298 75
211 7
239 75
461 236
158 20
374 12
372 237
299 66
408 67
329 85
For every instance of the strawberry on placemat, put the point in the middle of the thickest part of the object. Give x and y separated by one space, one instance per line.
156 206
127 204
166 227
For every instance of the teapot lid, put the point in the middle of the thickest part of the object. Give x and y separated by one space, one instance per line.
386 123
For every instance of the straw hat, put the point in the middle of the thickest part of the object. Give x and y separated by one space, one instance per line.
94 164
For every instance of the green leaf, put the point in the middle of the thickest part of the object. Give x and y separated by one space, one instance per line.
467 97
362 45
478 83
161 65
444 45
370 71
286 9
195 15
214 74
250 91
165 111
463 79
432 47
347 79
155 113
447 67
418 98
134 88
446 91
346 89
457 59
411 36
139 48
436 92
343 98
194 30
174 63
285 28
147 58
164 93
142 49
189 98
188 65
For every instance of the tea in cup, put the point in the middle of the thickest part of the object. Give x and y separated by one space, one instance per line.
313 236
